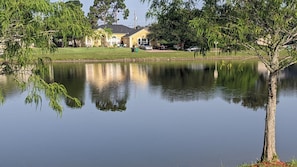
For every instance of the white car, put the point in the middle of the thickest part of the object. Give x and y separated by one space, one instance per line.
193 48
146 47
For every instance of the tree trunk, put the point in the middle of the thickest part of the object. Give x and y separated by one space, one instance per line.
269 147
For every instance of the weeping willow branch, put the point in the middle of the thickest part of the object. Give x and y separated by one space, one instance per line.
54 92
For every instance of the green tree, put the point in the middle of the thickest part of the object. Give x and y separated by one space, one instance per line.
107 11
24 24
172 22
208 24
265 27
159 7
68 21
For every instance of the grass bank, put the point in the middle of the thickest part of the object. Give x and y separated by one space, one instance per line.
125 54
292 163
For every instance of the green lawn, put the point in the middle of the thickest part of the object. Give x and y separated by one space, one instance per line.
125 54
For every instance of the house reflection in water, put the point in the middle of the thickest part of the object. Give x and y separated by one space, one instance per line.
110 84
138 75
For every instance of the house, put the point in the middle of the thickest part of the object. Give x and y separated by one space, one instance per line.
121 36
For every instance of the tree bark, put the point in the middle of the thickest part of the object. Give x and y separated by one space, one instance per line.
269 147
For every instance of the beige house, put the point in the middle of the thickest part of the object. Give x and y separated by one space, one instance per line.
121 36
137 38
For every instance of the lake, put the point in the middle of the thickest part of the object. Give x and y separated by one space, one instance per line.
174 114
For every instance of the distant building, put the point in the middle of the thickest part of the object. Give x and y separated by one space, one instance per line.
121 36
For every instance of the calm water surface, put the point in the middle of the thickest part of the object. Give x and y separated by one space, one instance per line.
149 115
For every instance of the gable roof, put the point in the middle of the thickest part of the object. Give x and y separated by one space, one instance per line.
121 29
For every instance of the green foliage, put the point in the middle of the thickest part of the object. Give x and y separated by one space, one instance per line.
25 24
293 163
107 11
160 7
172 26
266 27
209 24
68 21
52 91
21 25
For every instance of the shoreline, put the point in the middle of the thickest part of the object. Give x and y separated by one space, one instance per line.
124 55
160 59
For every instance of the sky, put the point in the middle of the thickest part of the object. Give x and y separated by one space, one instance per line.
134 6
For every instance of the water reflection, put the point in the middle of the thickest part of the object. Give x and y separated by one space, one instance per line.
8 86
183 82
109 83
177 114
288 81
73 77
243 83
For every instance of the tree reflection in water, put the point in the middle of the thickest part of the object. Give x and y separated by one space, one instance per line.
71 75
112 97
239 84
109 85
110 82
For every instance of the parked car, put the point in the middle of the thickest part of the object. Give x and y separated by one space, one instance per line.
193 48
146 47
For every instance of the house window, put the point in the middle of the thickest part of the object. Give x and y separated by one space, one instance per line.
143 41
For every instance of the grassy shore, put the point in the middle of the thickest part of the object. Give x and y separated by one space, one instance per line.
125 54
101 54
292 163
